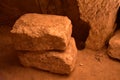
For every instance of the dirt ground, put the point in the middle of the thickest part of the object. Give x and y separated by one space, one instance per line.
90 65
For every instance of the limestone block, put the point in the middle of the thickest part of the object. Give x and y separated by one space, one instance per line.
53 61
114 46
41 32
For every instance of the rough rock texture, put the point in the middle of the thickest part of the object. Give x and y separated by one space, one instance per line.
101 16
11 10
53 61
41 32
119 2
114 46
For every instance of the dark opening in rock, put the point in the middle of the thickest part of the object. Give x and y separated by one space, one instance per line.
80 28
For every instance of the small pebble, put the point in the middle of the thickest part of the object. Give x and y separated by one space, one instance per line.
80 64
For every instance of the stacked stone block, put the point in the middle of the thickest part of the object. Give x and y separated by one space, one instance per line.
45 42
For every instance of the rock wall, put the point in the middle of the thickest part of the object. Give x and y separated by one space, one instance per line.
101 16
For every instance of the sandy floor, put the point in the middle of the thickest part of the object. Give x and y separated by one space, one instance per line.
90 65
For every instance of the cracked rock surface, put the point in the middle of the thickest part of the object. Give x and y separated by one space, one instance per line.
53 61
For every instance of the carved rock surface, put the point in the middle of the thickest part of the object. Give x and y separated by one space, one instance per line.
41 32
114 46
53 61
101 17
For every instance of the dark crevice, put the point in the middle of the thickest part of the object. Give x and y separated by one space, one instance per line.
80 33
80 27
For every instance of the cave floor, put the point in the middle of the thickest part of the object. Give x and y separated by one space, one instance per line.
90 65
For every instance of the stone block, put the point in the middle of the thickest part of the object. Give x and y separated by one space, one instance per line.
53 61
41 32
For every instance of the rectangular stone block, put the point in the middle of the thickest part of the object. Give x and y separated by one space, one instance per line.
41 32
53 61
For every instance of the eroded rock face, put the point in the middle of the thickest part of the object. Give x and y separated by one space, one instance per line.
101 16
53 61
41 32
114 46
